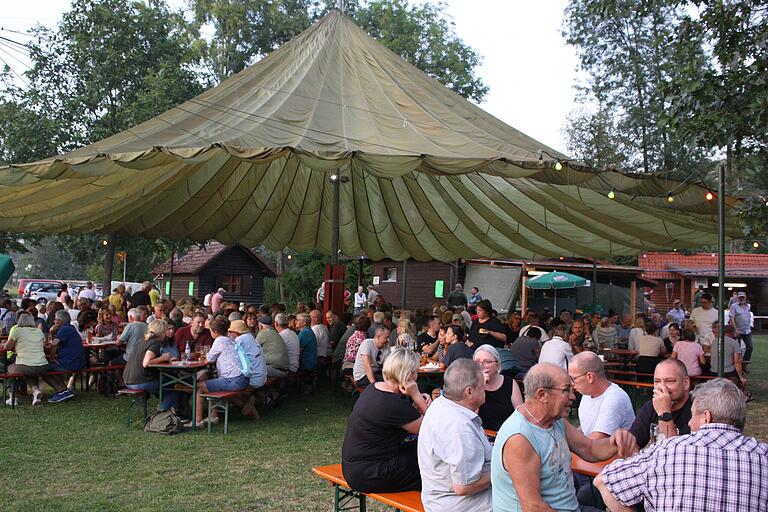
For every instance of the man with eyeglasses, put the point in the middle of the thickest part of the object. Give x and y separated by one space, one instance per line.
604 408
370 358
704 316
537 440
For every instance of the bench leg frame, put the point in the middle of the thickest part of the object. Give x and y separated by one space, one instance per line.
144 402
218 404
343 499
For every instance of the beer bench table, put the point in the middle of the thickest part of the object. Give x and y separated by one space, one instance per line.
219 401
410 501
343 496
183 374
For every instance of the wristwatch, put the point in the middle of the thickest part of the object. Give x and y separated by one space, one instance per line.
667 416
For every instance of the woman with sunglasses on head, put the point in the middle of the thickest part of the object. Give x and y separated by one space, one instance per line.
502 394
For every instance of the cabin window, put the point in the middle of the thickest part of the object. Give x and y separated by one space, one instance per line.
233 284
390 275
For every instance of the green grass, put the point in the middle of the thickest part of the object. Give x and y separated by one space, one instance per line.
80 455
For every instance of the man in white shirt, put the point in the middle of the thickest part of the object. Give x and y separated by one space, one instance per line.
604 408
360 299
557 351
454 453
704 316
87 292
291 340
321 333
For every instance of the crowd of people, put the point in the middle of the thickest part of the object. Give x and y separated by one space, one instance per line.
246 344
403 435
400 437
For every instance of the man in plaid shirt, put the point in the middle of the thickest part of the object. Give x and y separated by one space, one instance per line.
715 468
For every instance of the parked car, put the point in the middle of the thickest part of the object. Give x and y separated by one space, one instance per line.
42 292
24 282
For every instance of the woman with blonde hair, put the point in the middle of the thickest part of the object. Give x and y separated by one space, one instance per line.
139 374
374 457
28 342
638 331
405 335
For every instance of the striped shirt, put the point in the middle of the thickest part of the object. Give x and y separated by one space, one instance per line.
223 351
715 469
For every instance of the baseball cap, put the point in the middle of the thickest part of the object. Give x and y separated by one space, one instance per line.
676 301
266 320
457 317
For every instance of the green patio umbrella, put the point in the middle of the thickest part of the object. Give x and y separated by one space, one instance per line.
554 281
6 269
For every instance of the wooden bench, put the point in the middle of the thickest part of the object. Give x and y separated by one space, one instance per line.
220 401
410 501
343 496
135 395
13 378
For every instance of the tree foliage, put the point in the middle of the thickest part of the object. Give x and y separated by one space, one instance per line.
422 34
624 47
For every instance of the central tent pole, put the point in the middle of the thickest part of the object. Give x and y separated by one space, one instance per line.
721 270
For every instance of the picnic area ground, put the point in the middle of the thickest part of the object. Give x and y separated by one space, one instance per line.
80 455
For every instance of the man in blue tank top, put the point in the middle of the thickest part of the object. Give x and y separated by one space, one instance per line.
536 440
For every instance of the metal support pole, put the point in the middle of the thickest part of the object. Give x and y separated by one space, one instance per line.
360 270
109 261
170 274
594 286
405 285
721 270
125 263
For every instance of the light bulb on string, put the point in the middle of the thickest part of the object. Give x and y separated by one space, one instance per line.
756 244
710 196
612 194
558 166
670 198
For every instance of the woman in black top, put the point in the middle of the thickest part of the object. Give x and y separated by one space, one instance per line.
373 456
502 394
454 339
139 375
513 326
487 329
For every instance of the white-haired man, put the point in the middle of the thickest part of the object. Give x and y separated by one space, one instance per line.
454 453
714 469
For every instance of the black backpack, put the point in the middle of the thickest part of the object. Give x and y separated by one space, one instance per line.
164 422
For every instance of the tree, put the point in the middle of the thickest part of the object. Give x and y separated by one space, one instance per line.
425 36
722 103
109 66
594 138
245 30
623 46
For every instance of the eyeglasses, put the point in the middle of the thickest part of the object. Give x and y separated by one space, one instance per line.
567 389
486 362
573 379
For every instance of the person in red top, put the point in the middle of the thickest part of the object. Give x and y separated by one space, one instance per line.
194 332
